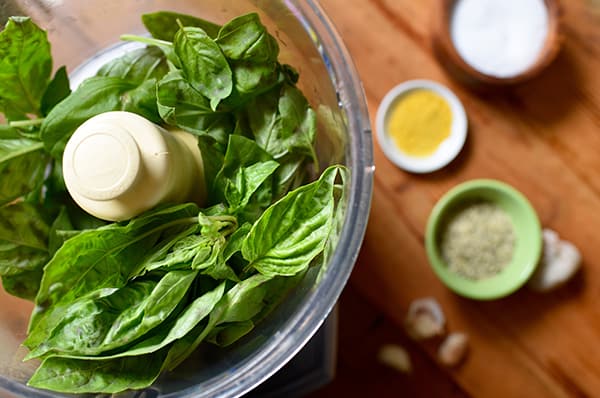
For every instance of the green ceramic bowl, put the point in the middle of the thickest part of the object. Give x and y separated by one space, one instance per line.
528 244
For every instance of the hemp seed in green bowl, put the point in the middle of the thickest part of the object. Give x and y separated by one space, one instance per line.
483 239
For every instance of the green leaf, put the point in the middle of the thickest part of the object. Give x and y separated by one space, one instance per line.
339 216
24 224
94 96
226 335
245 168
240 303
93 326
283 122
293 231
58 89
96 259
25 284
61 224
7 132
164 24
23 248
194 313
213 155
142 100
246 38
203 64
252 79
290 175
25 66
182 253
180 105
234 244
22 165
81 376
137 66
16 259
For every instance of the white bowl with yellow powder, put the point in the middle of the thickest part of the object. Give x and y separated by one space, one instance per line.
421 126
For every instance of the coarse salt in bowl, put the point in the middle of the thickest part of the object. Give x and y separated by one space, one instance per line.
496 42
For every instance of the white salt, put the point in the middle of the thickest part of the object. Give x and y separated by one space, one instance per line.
499 38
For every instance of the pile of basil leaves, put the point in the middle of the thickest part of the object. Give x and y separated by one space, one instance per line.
116 304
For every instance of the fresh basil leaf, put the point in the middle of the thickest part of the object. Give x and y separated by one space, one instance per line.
210 260
298 122
290 175
25 66
180 105
164 24
247 181
340 192
277 289
58 89
142 100
246 38
24 284
16 259
25 225
137 65
245 168
100 258
94 96
23 248
194 313
235 241
293 231
283 122
203 64
228 334
194 251
61 223
243 301
109 376
7 132
119 319
22 166
213 155
157 258
182 253
253 78
220 270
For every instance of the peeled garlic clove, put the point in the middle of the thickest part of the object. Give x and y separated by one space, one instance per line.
424 319
453 349
560 261
396 357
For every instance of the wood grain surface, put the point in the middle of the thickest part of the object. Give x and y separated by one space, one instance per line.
543 138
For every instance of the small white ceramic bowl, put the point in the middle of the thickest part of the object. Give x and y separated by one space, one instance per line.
446 151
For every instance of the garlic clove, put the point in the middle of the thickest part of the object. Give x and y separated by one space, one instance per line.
560 261
395 357
453 349
424 319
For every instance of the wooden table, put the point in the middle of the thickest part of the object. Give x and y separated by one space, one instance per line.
544 139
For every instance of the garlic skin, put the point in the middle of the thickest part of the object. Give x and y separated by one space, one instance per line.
424 319
395 357
453 349
560 261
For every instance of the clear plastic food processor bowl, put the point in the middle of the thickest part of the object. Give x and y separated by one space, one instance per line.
80 32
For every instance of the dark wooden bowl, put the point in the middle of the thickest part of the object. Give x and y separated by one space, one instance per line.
450 59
